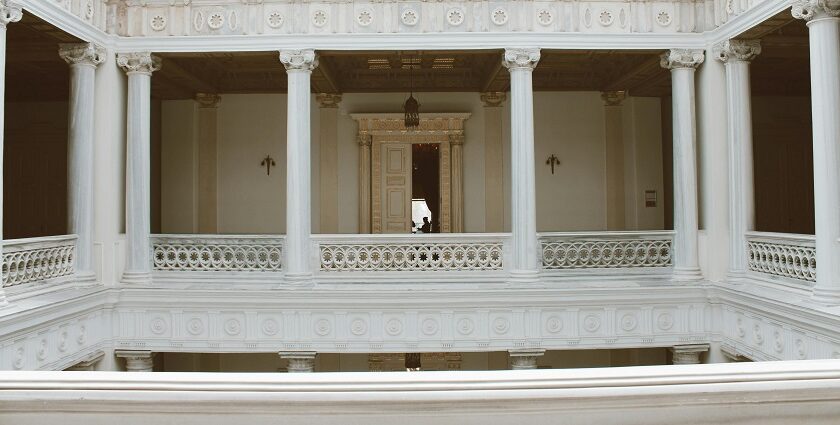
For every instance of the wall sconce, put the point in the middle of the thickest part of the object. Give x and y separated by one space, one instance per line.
552 161
268 162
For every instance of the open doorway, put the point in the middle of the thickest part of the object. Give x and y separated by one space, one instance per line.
425 188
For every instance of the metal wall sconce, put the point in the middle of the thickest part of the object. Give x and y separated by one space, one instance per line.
268 162
552 161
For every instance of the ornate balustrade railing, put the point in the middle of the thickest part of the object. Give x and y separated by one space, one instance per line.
782 255
38 259
414 253
606 250
217 253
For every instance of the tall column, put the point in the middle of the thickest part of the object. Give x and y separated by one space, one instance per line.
456 143
364 182
521 64
737 55
9 12
614 135
494 182
299 361
687 354
139 67
83 59
824 39
208 109
525 359
328 169
137 360
299 65
682 64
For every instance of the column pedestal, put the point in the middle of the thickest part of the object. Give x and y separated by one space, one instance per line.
525 358
137 361
299 361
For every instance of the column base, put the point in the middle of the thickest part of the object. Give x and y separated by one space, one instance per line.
524 277
136 278
686 274
299 280
826 296
85 277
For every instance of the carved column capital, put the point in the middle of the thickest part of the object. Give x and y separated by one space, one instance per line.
815 9
299 60
364 140
688 354
82 53
493 99
9 12
138 62
136 360
737 50
208 100
614 97
299 361
524 359
682 59
328 100
456 139
526 59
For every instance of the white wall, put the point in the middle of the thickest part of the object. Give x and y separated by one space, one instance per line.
567 124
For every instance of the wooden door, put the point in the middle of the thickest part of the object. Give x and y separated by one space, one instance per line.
396 187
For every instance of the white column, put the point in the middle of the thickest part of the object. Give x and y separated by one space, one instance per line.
83 59
824 39
682 64
524 359
456 143
328 169
9 12
688 354
139 68
494 168
299 361
521 64
364 141
614 158
737 55
208 108
137 360
299 65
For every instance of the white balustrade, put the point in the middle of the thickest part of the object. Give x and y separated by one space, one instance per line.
784 255
38 259
608 250
435 253
217 253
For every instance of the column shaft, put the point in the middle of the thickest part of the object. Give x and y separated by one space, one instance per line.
83 59
364 183
521 63
8 13
208 108
328 168
614 135
139 68
457 181
494 194
682 64
299 65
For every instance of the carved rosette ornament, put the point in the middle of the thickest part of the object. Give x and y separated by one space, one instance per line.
138 62
9 12
682 59
526 59
299 60
737 50
815 9
82 54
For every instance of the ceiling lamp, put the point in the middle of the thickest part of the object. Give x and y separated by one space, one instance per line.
411 107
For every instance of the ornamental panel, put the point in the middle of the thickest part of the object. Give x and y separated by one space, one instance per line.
217 253
618 250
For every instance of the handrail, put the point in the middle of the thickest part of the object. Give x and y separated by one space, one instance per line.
784 255
38 259
606 250
213 253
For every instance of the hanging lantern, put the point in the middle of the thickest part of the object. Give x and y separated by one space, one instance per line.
412 112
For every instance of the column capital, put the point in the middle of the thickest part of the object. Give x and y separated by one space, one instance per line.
364 140
613 97
525 358
299 60
137 360
82 53
208 100
299 361
737 50
521 58
456 139
138 62
493 99
9 12
328 100
688 354
682 59
815 9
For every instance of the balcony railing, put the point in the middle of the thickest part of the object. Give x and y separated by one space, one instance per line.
783 257
414 253
41 259
606 250
217 253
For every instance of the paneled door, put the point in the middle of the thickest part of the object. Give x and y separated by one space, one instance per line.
396 187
